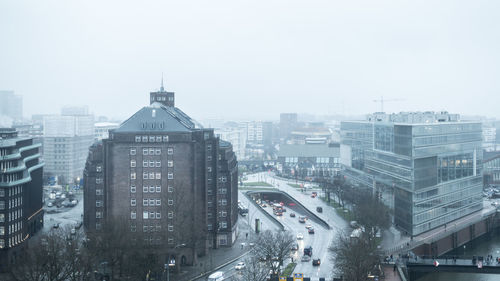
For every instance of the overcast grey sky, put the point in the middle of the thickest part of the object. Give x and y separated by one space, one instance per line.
253 59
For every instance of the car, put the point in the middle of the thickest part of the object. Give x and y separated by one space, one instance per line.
311 230
300 236
305 258
309 226
302 219
319 209
295 247
240 266
313 196
308 251
50 204
263 205
56 225
73 231
316 262
292 215
251 244
291 204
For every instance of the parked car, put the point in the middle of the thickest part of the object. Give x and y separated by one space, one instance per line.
309 226
316 262
292 215
302 219
311 230
240 266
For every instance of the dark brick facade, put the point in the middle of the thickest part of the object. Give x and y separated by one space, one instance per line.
170 180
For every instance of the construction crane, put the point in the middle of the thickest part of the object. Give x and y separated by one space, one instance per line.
382 100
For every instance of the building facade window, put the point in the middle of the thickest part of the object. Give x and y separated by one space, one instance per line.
145 202
133 202
132 163
170 163
170 215
133 215
158 176
133 151
132 176
170 202
145 189
145 215
98 192
132 189
158 189
98 203
170 151
151 189
170 189
170 176
144 151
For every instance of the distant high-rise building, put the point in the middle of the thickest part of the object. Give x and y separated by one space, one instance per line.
102 129
66 141
427 166
11 105
288 122
21 191
166 177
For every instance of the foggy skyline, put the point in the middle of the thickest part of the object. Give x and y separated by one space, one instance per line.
254 60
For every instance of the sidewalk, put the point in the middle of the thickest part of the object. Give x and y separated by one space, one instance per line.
221 256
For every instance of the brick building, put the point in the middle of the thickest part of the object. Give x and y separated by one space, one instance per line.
167 177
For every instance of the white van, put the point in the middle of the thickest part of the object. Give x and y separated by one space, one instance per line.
216 276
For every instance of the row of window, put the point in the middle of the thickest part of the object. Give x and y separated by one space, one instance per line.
12 241
222 225
12 203
150 202
12 191
151 151
151 164
152 138
15 227
151 176
222 214
222 202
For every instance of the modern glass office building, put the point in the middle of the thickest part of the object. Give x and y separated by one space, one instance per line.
425 166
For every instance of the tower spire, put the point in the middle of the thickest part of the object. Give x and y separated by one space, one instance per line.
162 89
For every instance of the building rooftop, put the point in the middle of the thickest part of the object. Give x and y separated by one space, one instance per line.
308 150
159 118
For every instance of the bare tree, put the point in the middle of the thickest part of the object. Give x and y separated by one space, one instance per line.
371 213
56 256
354 257
273 248
254 270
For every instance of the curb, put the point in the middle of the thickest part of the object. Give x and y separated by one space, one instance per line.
219 267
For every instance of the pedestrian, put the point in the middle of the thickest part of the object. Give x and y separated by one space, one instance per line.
246 235
394 268
391 257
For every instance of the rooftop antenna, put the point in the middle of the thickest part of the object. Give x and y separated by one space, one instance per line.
161 88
